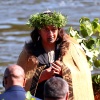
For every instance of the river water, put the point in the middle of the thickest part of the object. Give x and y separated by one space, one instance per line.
15 13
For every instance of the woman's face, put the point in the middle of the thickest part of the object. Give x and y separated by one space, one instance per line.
48 34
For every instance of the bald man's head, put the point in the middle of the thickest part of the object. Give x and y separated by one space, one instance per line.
14 71
14 75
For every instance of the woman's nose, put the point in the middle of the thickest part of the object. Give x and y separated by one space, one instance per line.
50 32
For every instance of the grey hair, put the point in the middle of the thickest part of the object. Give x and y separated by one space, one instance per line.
56 87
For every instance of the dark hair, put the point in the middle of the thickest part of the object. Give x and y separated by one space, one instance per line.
35 35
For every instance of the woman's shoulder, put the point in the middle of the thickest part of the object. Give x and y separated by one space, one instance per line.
33 49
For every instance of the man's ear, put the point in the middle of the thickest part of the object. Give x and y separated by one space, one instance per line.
67 96
24 82
4 82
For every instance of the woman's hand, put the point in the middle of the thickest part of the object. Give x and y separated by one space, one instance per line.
46 74
57 67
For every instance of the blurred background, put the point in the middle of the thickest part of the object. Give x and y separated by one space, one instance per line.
15 13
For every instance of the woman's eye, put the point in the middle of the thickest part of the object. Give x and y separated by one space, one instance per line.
54 29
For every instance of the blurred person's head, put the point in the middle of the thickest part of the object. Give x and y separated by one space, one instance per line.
13 75
47 26
56 88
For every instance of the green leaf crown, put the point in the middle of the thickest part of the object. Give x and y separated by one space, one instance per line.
44 19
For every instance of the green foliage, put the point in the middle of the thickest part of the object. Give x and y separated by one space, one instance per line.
41 20
89 38
85 27
29 96
96 79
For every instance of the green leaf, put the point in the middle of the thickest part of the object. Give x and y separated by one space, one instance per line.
75 34
97 63
72 32
85 27
90 43
98 43
96 25
96 79
28 95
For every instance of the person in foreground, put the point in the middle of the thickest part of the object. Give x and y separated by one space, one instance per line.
56 88
13 82
52 52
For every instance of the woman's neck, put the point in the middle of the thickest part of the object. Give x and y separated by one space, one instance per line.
49 47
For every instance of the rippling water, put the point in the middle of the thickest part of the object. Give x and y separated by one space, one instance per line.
14 15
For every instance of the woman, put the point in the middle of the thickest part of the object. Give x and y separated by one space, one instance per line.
51 52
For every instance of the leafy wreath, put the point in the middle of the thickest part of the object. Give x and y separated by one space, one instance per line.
43 19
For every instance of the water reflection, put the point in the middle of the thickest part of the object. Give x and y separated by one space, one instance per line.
14 15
